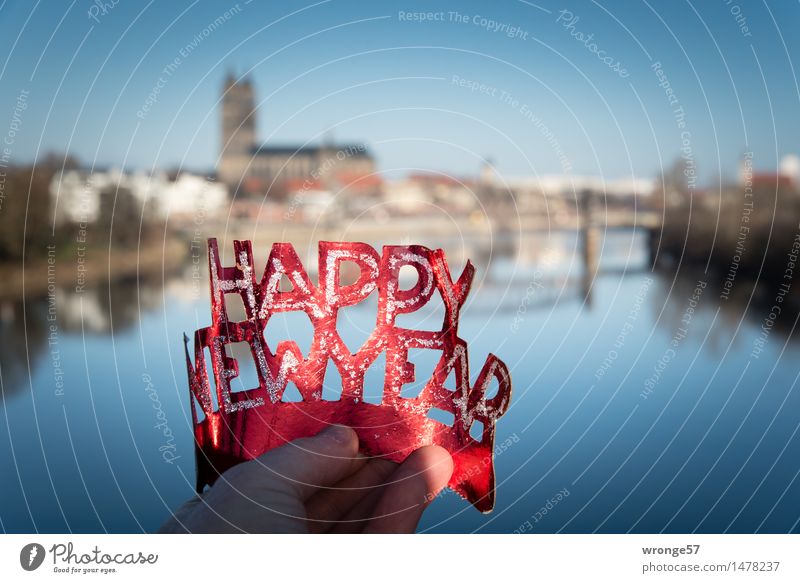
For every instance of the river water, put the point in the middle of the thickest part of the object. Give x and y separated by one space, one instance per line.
640 403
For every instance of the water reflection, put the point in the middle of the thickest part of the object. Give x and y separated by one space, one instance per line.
566 425
30 330
538 269
749 303
24 342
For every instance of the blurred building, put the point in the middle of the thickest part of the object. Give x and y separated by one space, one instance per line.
78 195
786 176
247 166
790 167
420 192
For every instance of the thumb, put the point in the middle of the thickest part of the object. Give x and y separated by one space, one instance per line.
307 464
410 489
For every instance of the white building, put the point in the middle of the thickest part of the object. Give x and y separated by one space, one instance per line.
191 195
77 194
566 185
790 167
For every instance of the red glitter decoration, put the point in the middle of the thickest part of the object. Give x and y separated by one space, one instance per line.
248 423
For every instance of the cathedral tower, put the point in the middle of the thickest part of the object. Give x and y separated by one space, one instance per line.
238 117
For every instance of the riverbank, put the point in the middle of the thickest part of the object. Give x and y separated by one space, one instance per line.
81 268
742 233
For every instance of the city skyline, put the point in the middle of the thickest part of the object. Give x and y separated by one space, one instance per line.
426 89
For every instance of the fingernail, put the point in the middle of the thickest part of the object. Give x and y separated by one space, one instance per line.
339 433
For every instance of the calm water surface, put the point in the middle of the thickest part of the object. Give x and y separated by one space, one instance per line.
637 407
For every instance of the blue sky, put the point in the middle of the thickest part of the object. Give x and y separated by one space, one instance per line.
369 74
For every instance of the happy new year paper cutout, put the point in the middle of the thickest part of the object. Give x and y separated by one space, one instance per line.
247 423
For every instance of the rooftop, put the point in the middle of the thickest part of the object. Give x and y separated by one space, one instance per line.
349 150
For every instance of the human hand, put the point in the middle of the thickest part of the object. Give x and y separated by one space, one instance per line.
318 484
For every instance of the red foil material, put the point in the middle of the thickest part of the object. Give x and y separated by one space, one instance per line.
240 425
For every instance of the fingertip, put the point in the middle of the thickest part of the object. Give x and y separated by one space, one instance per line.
413 485
341 435
435 465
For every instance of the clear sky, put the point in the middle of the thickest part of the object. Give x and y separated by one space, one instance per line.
371 71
